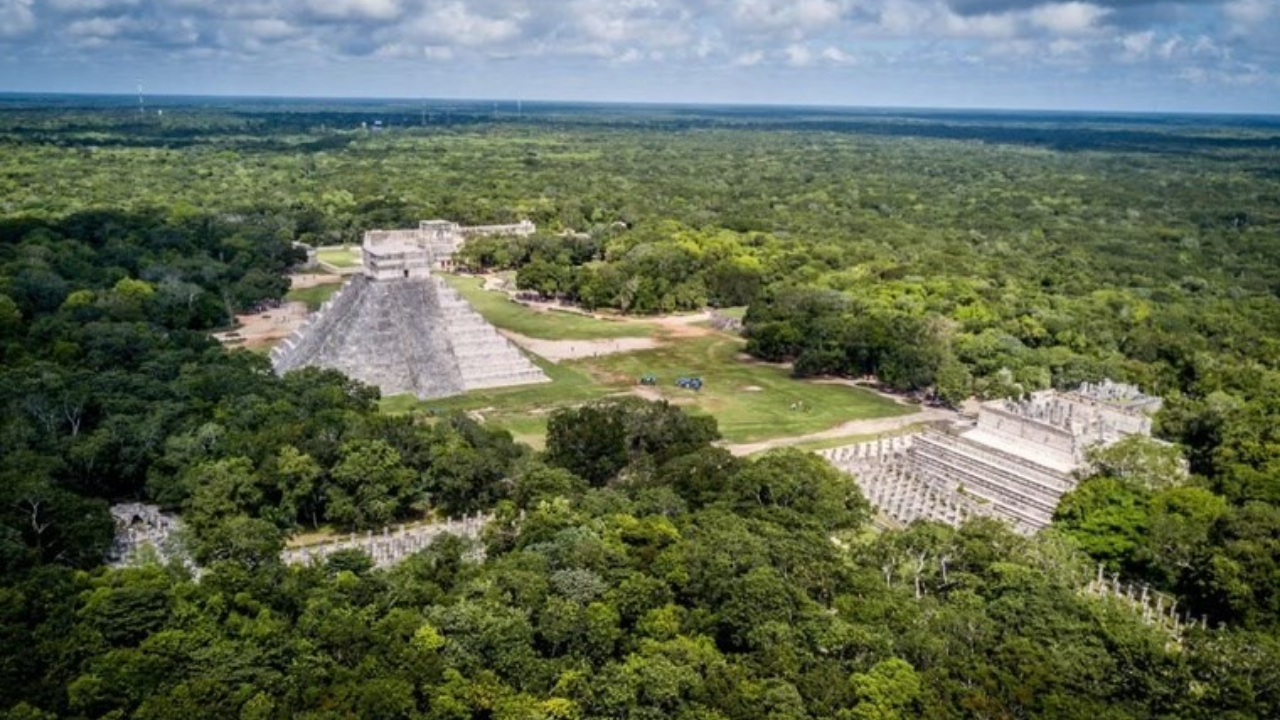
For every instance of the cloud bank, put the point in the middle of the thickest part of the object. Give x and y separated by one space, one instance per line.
1171 54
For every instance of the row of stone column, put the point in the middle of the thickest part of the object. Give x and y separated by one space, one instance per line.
885 474
1156 608
390 547
874 450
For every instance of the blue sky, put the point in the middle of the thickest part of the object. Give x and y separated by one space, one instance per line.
1144 55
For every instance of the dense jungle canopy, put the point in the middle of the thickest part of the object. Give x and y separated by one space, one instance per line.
634 570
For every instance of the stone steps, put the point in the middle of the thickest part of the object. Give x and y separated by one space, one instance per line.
406 335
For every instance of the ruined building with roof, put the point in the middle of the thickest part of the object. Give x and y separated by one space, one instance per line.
402 329
1014 463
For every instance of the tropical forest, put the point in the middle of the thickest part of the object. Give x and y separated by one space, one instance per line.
635 549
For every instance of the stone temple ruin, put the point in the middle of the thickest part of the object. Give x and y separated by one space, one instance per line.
402 329
1014 463
442 238
141 529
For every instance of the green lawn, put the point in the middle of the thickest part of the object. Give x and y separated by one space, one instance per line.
500 310
744 415
314 297
751 401
522 409
340 257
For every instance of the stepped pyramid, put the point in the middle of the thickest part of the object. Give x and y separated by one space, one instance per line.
400 328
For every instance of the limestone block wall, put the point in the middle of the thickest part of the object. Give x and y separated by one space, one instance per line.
1015 465
414 335
1012 488
1020 424
522 228
883 472
304 342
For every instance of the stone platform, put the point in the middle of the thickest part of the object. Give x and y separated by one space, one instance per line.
1014 464
400 328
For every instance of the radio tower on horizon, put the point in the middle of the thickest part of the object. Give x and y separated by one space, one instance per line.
142 108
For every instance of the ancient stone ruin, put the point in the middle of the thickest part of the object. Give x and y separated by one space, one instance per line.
390 547
1015 463
142 530
402 329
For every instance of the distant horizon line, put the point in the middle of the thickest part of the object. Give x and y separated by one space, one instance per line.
645 103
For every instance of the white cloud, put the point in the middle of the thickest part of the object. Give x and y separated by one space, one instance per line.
1249 12
1137 45
355 9
97 27
798 55
16 17
1063 47
979 26
454 24
85 6
798 16
269 29
1069 18
838 57
932 40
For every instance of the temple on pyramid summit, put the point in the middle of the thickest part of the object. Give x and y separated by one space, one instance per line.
400 328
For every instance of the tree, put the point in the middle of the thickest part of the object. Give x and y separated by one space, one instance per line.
1107 517
792 487
220 490
1146 463
370 485
589 442
888 691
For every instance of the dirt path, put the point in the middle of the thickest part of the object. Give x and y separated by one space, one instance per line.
558 350
309 280
264 328
848 429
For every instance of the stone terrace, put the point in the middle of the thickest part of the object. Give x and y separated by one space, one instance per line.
1015 464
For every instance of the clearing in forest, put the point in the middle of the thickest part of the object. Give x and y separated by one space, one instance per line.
340 257
751 401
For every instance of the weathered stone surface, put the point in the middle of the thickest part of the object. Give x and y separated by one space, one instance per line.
392 546
403 330
140 529
1015 464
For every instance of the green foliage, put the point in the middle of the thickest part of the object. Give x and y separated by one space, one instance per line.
650 574
888 691
370 484
1106 516
598 440
1140 461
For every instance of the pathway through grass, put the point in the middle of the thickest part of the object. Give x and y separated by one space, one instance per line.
751 401
507 314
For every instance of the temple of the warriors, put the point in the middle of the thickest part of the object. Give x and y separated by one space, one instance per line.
398 327
1014 463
